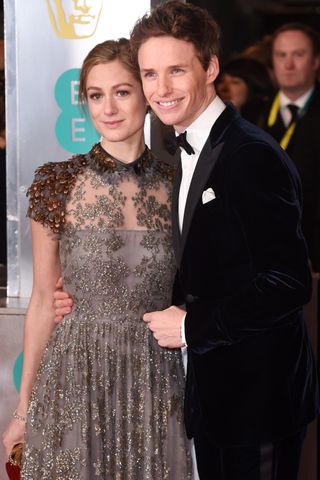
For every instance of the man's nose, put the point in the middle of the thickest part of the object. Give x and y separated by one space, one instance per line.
289 63
163 86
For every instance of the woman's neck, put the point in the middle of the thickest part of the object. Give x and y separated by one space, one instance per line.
126 151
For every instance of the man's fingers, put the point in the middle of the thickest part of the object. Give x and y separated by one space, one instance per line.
147 317
156 335
64 302
62 310
60 313
169 343
60 295
59 283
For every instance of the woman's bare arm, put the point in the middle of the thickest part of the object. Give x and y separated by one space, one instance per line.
39 322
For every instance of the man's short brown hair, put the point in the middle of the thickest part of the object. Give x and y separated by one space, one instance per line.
310 32
181 21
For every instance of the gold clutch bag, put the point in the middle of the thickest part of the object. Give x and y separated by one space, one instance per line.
13 465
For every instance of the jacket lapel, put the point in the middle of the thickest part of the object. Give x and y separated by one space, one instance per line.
206 162
205 165
174 212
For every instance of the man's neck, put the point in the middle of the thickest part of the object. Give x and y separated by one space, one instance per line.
293 95
182 127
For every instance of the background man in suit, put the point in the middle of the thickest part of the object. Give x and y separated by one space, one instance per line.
242 263
293 118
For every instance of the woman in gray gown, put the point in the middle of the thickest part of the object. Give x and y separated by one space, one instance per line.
104 400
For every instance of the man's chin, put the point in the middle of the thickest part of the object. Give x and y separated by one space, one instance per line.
166 117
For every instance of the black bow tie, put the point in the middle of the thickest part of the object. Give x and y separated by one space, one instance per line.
173 142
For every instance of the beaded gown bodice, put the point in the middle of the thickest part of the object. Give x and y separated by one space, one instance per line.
115 233
102 373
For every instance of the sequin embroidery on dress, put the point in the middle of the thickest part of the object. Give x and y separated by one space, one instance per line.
107 403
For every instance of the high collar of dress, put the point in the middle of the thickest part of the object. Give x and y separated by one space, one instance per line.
103 161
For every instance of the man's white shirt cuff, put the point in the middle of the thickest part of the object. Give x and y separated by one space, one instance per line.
183 331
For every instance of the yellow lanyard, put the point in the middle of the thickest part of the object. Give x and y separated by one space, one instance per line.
275 107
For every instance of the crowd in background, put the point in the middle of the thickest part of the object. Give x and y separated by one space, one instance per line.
275 84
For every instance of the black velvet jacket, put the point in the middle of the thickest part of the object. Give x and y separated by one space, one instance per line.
243 274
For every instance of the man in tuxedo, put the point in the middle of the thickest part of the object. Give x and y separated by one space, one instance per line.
242 265
292 117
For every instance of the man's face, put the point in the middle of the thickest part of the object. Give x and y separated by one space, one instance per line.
175 84
75 18
294 62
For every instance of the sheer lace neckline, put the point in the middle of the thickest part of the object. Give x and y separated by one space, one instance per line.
102 161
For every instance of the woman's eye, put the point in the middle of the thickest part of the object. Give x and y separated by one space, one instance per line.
122 93
95 96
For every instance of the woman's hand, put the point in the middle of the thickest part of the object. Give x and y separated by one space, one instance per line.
13 434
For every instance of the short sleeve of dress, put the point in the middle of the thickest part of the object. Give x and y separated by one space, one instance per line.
50 189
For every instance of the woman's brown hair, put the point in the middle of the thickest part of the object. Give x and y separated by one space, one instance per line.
106 52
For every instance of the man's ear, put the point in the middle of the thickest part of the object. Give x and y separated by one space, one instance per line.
213 69
317 63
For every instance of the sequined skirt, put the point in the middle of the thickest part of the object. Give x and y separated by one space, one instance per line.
107 404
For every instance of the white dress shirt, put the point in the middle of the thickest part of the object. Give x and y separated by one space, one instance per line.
197 134
285 101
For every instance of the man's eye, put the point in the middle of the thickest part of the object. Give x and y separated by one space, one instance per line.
149 75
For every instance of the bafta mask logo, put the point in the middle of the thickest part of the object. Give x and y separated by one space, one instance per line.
74 18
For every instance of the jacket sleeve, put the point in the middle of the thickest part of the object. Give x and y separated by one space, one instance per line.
177 295
264 200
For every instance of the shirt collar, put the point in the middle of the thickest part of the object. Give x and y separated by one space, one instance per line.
300 102
198 131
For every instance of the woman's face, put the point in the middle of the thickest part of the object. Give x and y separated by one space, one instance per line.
116 103
232 89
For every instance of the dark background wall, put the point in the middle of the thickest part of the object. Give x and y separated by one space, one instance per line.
244 21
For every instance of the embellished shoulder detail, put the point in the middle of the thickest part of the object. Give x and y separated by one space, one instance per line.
50 189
